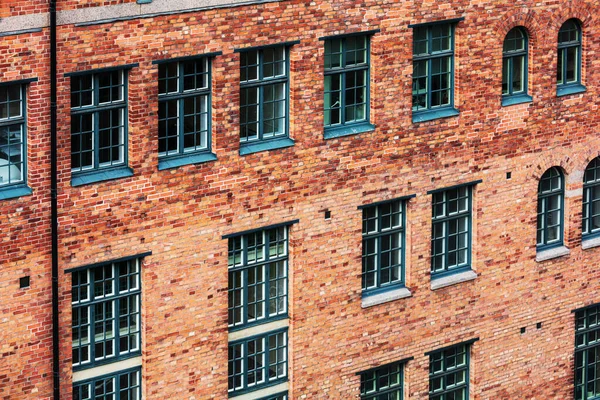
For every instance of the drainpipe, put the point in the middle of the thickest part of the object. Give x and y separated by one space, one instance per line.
54 202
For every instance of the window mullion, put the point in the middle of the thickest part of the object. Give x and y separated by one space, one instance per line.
245 295
180 108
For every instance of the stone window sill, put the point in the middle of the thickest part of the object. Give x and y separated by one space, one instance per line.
590 243
549 254
387 296
449 280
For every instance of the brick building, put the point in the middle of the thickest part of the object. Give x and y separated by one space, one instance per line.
299 200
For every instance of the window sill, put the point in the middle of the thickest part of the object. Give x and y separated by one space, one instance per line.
264 145
516 99
257 327
109 361
566 90
590 242
144 1
430 115
12 192
385 297
549 254
174 162
348 130
263 392
449 280
107 369
101 175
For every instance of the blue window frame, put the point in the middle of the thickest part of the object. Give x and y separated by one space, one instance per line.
449 373
383 383
264 97
433 72
346 96
451 230
568 71
587 353
383 246
591 199
184 110
13 160
279 396
551 193
98 121
106 313
258 285
514 67
257 362
122 385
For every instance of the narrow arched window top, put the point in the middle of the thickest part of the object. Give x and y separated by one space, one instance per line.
570 33
515 41
592 172
551 182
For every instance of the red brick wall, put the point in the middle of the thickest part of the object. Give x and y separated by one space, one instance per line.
181 214
10 8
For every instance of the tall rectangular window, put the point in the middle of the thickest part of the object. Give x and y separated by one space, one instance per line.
98 121
449 373
451 230
258 265
183 108
264 89
106 313
383 245
383 383
12 135
258 361
123 385
433 71
587 353
346 99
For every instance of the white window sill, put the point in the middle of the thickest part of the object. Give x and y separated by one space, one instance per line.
106 369
385 297
590 243
549 254
438 283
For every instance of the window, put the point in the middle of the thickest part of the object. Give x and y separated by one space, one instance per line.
449 373
587 353
263 94
346 99
106 313
385 382
550 209
568 72
514 65
383 244
451 230
184 109
12 135
258 265
124 385
591 199
280 396
98 121
257 361
433 71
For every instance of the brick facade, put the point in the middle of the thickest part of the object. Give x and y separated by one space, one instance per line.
181 214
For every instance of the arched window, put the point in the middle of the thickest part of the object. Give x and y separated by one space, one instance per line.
568 71
591 199
514 63
551 193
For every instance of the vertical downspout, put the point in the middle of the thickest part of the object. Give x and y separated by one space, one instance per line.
54 201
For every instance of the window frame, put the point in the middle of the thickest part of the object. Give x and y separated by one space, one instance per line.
244 388
467 266
244 267
89 304
430 113
115 375
588 200
378 235
542 197
582 346
565 88
17 188
353 127
466 367
181 156
399 388
523 96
